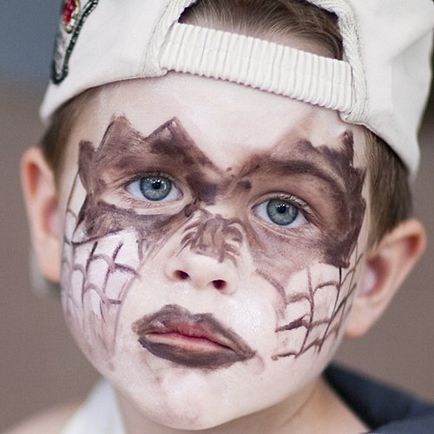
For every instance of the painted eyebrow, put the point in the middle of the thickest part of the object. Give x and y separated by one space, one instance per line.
303 167
124 147
317 166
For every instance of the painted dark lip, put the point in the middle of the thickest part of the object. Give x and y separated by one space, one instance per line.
225 346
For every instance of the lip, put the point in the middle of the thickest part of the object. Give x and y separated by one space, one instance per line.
193 340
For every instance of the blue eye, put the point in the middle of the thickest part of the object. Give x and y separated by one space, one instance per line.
281 212
154 188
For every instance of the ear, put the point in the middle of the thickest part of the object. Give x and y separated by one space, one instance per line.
40 195
387 265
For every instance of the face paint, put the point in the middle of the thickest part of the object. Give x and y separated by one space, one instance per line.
332 173
214 347
95 280
109 240
214 236
317 331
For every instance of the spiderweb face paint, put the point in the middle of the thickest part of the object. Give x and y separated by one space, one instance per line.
107 243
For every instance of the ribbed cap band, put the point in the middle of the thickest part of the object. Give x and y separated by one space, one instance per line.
261 64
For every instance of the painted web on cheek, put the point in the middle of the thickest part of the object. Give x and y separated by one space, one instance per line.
317 330
96 275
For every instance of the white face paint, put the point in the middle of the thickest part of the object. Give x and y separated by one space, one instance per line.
212 237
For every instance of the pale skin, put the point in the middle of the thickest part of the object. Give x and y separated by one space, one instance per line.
266 304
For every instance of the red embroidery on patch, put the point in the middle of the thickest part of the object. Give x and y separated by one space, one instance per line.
71 11
74 13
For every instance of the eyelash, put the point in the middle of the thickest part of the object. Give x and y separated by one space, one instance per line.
295 201
142 175
300 204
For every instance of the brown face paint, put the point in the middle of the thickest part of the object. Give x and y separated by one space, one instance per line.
331 175
245 185
173 333
214 236
121 154
326 174
314 338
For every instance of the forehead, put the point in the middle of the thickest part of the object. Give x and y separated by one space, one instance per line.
227 122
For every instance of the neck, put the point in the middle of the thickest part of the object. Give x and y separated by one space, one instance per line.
316 409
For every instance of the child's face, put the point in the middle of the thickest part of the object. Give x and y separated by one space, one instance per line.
213 242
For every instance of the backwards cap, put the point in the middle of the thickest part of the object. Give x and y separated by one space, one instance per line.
382 82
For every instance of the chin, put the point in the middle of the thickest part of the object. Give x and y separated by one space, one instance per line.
191 413
181 398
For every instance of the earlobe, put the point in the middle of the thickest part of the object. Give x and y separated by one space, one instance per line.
385 268
40 195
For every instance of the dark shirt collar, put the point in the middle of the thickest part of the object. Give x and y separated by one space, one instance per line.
383 408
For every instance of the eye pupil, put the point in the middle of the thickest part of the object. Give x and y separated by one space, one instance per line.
155 187
281 212
281 209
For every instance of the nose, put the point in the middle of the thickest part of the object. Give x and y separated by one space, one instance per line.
208 254
202 272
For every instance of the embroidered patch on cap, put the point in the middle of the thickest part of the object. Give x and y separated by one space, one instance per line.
74 15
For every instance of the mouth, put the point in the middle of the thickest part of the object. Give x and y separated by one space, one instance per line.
193 340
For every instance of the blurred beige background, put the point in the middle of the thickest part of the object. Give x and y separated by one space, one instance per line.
40 365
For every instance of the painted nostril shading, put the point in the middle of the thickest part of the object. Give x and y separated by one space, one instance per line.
219 284
181 275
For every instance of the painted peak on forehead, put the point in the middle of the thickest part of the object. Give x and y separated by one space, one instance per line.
170 139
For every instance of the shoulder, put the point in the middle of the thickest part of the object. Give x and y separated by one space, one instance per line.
51 421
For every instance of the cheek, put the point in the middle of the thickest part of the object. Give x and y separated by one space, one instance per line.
308 331
278 257
256 314
318 300
314 297
96 276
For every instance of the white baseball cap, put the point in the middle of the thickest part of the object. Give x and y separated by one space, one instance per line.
382 82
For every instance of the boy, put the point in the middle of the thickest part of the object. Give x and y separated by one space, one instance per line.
221 210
